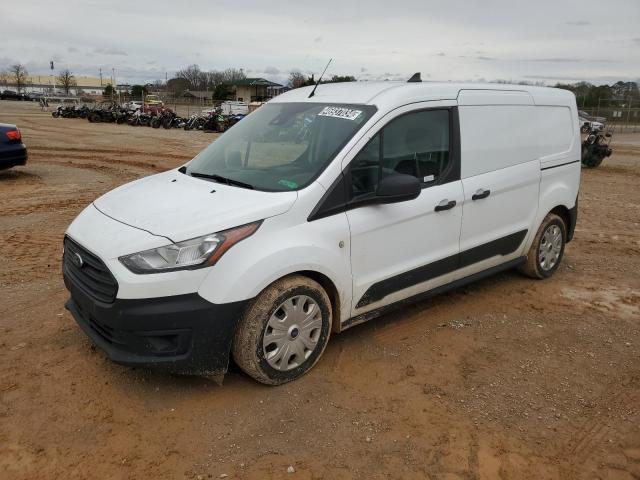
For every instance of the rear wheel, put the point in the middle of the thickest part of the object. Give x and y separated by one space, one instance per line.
547 249
284 331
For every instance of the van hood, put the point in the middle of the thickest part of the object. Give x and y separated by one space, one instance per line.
180 207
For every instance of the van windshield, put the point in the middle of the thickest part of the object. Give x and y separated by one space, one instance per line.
280 146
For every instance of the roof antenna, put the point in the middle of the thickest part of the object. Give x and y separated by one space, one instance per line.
415 78
318 82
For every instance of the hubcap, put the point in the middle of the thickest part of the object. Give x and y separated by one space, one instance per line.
292 332
550 247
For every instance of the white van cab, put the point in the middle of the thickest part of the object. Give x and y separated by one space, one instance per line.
319 211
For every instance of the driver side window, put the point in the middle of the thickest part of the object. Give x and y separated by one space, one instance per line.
416 143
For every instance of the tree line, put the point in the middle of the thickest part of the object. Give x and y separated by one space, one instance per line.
193 77
593 96
17 74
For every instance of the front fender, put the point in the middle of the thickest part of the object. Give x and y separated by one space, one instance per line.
277 250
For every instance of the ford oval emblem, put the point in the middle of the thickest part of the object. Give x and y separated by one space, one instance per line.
77 260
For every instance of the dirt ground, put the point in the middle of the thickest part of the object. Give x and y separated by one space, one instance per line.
506 378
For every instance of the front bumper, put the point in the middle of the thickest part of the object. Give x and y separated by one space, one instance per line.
182 334
12 155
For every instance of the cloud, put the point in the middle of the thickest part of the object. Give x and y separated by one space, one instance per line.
362 69
110 51
272 71
553 60
569 60
476 40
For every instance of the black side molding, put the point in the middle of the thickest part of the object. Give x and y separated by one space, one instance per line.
561 165
358 319
501 246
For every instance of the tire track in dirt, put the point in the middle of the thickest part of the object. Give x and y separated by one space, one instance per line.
595 429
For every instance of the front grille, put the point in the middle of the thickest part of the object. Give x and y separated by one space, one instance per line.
92 276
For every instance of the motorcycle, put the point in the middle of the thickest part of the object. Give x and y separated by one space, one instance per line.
170 120
596 147
123 115
195 122
139 118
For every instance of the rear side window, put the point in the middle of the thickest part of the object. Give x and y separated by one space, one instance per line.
414 144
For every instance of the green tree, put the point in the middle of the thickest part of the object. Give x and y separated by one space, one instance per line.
342 78
109 91
221 91
138 91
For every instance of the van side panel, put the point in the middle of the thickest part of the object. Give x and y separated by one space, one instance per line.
528 156
497 136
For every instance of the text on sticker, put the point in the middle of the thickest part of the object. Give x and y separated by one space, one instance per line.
340 112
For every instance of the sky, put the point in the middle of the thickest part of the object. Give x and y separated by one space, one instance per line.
514 40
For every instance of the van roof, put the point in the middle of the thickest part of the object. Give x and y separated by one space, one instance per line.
390 94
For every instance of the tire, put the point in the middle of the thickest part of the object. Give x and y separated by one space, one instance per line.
95 118
155 123
260 359
55 114
547 249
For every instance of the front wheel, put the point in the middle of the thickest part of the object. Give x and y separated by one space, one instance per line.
547 249
284 331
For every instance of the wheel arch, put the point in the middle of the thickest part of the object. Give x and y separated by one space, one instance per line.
331 289
563 212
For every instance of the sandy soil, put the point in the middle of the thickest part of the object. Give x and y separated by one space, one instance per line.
507 378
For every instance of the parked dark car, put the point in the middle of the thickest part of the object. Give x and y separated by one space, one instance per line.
12 150
11 95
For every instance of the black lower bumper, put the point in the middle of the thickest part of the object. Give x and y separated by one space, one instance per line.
182 334
12 155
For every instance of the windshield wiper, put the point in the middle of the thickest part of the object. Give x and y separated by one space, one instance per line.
221 179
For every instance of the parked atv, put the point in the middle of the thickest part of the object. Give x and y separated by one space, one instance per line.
595 148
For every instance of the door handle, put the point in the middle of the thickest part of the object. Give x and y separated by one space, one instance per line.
445 205
480 194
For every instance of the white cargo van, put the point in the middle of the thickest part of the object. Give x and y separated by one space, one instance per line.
318 212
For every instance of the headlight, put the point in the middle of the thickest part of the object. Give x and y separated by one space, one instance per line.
198 252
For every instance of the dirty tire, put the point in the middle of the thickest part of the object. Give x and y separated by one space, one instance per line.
532 267
248 352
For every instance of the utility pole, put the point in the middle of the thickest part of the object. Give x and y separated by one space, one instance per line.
101 77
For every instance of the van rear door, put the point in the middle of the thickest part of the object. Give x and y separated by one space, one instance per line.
500 171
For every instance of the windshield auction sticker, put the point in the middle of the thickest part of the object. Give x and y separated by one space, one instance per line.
340 112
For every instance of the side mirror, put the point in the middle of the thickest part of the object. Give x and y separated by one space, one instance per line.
398 188
608 134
